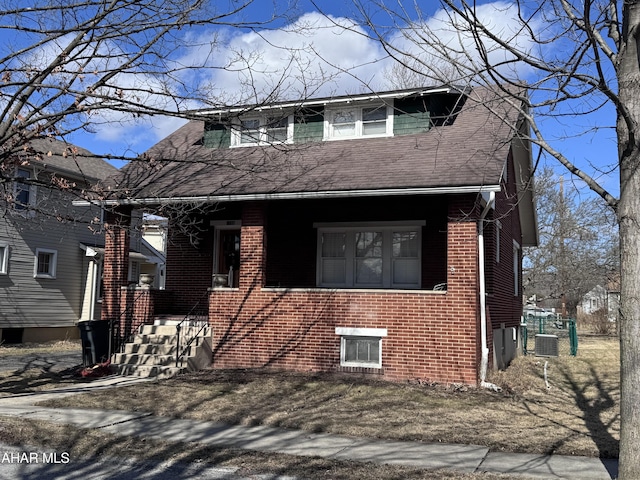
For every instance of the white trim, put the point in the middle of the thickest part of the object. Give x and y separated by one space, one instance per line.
329 134
4 263
517 249
369 334
383 192
262 131
52 265
361 332
218 226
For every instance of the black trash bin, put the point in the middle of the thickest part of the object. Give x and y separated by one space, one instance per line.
94 335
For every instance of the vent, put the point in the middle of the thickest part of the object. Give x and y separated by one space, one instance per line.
546 345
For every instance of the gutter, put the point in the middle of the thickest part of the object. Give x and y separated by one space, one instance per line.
138 202
484 360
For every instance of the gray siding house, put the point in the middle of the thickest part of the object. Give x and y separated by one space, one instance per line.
50 262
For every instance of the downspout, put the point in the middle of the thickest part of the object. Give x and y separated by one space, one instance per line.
484 360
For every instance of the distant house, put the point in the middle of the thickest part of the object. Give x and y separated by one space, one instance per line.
47 281
376 233
594 300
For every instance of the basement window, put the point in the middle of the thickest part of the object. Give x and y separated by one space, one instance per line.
361 347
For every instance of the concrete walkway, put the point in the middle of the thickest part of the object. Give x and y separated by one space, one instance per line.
466 458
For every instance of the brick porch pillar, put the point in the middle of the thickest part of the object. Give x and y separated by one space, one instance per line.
116 264
252 246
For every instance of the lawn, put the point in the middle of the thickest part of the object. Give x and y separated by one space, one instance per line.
574 410
577 414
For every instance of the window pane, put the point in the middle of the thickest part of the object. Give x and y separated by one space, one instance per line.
369 244
334 271
375 128
44 263
369 258
405 244
375 113
333 244
369 271
3 256
365 350
344 123
406 271
277 129
22 190
250 131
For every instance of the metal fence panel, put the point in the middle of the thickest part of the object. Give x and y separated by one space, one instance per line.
564 329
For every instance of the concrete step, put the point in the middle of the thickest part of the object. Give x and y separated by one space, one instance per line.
187 330
145 371
143 359
155 349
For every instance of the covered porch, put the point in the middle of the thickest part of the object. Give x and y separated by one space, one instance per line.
284 288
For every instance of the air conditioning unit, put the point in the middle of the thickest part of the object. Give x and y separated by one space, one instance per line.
546 345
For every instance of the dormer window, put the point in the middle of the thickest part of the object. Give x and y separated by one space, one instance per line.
262 131
358 121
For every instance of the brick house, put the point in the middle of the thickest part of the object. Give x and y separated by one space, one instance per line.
377 233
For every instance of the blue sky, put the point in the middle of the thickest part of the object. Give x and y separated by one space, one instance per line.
595 151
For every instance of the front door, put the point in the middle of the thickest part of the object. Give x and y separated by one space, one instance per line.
228 255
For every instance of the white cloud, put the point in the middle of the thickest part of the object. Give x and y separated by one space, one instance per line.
444 48
313 56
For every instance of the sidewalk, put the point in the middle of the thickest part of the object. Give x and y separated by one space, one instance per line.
465 458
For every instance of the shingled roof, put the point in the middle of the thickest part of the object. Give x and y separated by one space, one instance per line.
467 155
70 160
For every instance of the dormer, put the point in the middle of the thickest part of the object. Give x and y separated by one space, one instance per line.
333 119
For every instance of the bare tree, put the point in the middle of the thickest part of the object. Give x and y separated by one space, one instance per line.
75 66
578 245
580 63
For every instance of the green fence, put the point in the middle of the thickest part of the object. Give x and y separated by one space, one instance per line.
553 336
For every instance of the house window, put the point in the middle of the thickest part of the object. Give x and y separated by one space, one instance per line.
4 258
46 261
354 122
262 131
369 256
361 347
23 192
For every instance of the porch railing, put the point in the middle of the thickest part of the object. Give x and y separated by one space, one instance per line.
197 317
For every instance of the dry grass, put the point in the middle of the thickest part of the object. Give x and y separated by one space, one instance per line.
577 415
59 346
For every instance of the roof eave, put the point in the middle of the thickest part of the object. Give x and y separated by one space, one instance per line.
385 192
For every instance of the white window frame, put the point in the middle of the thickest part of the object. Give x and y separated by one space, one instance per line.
262 131
4 259
371 334
53 263
329 132
387 229
18 187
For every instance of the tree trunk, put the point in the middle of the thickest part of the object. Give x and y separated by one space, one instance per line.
629 218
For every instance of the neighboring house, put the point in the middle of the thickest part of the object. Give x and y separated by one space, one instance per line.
376 234
46 278
600 298
594 300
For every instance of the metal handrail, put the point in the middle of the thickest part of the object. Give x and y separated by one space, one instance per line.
188 317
